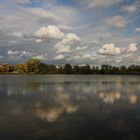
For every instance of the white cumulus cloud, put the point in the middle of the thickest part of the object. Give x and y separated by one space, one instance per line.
41 57
132 48
109 49
70 38
64 46
10 52
59 57
50 32
86 56
19 53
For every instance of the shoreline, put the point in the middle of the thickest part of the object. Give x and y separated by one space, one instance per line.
67 74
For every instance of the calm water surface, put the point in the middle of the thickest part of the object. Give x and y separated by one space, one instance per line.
68 107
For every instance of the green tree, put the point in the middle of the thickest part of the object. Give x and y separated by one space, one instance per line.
43 68
85 69
123 70
59 70
33 65
106 69
52 69
68 69
22 68
7 68
76 69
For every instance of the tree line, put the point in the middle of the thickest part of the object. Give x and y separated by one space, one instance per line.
35 66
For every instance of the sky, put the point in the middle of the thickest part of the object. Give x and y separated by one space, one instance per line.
92 32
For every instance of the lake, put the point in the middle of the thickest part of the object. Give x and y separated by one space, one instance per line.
69 107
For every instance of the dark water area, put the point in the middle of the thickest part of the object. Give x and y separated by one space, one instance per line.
69 107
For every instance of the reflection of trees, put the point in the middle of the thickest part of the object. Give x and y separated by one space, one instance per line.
35 87
66 97
109 91
70 105
24 88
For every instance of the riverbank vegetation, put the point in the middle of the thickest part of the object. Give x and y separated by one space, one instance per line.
35 66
